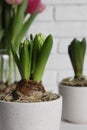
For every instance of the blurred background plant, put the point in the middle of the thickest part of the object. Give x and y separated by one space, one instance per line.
77 51
16 16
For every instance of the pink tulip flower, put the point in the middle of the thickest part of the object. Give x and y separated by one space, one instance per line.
14 1
35 5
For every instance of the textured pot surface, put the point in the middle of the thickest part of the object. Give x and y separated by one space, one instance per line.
31 116
74 103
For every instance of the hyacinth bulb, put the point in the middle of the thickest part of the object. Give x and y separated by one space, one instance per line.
14 1
76 52
35 6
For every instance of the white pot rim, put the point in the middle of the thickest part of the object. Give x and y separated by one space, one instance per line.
77 87
35 103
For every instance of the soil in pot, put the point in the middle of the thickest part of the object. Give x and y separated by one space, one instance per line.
5 89
26 91
82 82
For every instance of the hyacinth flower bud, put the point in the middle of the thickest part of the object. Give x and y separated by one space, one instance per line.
76 52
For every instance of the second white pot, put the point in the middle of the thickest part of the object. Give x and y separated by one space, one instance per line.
74 103
31 116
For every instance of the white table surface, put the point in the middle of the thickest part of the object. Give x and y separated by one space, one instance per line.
70 126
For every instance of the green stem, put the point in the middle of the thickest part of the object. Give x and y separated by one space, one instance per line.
2 69
10 68
15 72
15 9
25 28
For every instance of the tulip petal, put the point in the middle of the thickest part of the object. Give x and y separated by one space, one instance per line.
41 7
14 1
35 5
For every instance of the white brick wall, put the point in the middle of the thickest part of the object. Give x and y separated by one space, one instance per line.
64 19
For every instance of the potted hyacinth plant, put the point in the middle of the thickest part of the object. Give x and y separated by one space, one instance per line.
29 106
16 17
74 90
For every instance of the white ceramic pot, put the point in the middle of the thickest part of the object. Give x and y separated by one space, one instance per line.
31 116
74 103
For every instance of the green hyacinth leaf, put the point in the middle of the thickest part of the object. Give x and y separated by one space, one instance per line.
43 58
25 60
83 48
37 44
31 58
16 58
